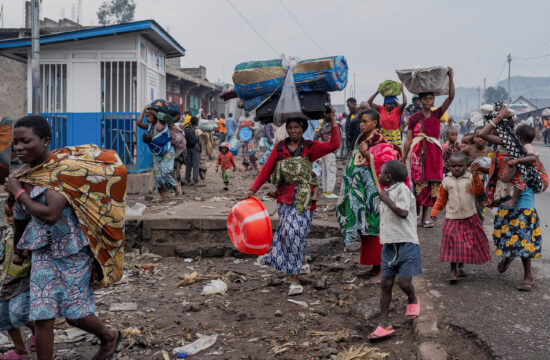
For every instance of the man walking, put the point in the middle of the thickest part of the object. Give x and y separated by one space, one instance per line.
352 126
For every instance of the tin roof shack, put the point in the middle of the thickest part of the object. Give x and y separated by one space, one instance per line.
96 80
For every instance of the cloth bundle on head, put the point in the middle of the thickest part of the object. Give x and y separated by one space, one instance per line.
389 88
94 183
162 109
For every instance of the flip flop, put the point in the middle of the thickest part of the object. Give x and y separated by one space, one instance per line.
413 310
12 355
112 353
32 344
426 224
295 290
381 333
526 286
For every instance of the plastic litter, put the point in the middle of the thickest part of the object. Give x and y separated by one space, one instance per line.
214 287
123 307
136 210
301 303
202 343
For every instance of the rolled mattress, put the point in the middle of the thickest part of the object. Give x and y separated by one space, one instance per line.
256 79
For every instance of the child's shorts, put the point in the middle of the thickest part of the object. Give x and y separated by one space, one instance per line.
14 313
401 258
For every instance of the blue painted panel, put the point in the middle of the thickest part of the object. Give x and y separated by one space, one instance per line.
84 128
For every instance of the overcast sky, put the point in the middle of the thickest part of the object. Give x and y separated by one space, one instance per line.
376 36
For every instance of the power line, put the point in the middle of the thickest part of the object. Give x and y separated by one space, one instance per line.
532 58
253 28
500 73
301 27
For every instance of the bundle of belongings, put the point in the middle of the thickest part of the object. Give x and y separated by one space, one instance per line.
261 85
425 80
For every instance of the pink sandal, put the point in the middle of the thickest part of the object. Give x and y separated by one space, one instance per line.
32 343
12 355
381 333
413 310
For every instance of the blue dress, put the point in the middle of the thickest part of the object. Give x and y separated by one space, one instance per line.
61 265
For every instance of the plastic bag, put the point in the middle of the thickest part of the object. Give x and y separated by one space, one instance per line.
136 210
214 287
202 343
289 103
389 88
420 80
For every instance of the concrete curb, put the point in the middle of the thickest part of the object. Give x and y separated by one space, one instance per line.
426 328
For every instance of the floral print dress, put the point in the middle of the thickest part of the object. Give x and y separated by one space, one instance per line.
61 265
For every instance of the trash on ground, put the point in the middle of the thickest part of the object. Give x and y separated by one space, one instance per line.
301 303
123 307
202 343
136 210
214 287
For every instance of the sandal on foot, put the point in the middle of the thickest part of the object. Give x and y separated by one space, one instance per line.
112 353
503 265
413 310
12 355
306 269
526 286
295 290
381 333
32 344
426 224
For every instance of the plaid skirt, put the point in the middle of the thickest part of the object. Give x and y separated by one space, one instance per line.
464 241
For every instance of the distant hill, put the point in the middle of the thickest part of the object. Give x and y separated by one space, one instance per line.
467 99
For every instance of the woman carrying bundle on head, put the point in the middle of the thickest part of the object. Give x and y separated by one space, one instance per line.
426 154
159 141
290 163
390 115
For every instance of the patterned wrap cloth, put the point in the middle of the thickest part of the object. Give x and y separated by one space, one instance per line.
94 183
296 170
393 136
357 210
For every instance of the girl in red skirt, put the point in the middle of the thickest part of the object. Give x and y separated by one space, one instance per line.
464 239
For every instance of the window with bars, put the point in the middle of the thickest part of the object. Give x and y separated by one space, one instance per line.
54 88
118 86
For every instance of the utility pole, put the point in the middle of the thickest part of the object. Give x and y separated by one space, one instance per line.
509 59
35 62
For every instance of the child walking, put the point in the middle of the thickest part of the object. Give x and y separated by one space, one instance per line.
464 239
401 252
227 162
14 294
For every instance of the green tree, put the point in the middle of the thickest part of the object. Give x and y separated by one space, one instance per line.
116 11
496 94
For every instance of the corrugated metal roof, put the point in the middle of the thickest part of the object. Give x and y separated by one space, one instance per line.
150 28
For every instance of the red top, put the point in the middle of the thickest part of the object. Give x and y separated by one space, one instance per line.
312 149
226 161
389 120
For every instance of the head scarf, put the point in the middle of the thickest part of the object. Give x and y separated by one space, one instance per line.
390 99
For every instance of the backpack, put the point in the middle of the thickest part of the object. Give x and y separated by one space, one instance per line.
191 138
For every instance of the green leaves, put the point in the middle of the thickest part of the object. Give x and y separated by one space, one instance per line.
113 12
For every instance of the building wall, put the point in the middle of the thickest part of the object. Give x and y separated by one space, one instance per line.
13 88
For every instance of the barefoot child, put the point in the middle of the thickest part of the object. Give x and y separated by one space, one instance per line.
464 239
401 253
14 295
227 162
450 147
